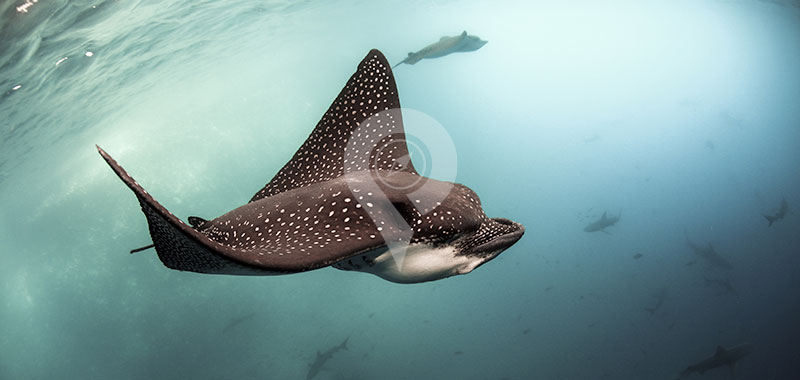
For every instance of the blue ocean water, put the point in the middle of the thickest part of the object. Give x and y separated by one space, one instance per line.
682 116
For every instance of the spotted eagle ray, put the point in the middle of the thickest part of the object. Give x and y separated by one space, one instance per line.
327 208
446 45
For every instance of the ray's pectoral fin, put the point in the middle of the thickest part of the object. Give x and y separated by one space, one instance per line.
370 91
178 245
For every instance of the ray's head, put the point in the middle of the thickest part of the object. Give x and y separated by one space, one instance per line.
472 43
454 220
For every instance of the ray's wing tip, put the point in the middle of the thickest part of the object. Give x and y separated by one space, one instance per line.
109 160
377 55
375 52
107 157
119 171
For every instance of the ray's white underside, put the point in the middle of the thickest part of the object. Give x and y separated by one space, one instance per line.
419 262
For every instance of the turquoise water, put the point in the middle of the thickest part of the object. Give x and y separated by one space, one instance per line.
681 115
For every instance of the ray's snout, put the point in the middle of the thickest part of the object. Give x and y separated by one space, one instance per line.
495 236
513 234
